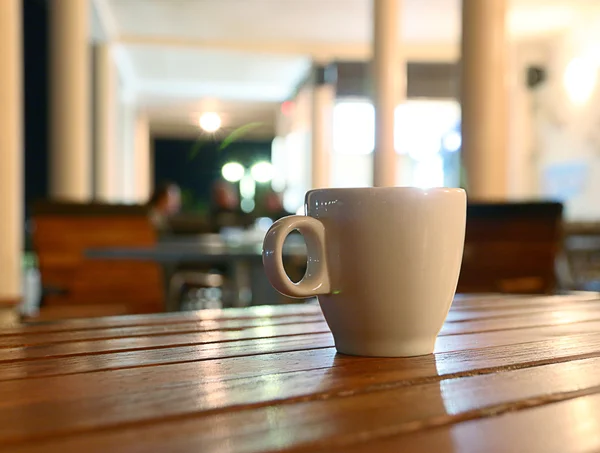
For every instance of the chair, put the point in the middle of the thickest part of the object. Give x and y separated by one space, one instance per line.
580 260
511 247
76 286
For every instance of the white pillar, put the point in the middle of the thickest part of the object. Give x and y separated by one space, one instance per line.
142 165
127 147
484 98
11 152
388 77
523 158
106 149
70 160
323 100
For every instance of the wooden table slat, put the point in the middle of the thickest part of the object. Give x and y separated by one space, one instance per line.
516 300
131 353
468 301
580 311
567 427
163 319
510 373
101 400
156 332
508 324
354 418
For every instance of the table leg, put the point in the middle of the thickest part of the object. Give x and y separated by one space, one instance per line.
242 283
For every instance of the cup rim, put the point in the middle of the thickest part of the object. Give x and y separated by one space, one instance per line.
405 189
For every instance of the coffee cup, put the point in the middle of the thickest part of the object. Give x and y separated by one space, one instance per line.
383 262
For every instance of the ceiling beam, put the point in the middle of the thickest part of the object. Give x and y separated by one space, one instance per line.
318 51
108 23
106 18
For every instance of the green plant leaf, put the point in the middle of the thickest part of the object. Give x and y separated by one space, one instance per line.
238 133
235 135
196 148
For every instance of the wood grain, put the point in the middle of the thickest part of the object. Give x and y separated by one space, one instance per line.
74 358
514 323
102 400
566 427
566 310
348 419
494 302
508 374
146 332
163 319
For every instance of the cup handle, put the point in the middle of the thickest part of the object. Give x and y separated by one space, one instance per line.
316 279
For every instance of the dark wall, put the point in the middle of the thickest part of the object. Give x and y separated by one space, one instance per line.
423 80
35 73
195 167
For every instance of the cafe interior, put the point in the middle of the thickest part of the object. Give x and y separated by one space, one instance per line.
147 146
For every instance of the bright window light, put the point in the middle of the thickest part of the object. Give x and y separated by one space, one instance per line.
210 122
421 125
429 173
353 127
279 162
233 171
293 199
351 170
452 141
580 79
262 172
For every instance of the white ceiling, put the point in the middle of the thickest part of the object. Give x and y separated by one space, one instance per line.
320 21
255 51
198 73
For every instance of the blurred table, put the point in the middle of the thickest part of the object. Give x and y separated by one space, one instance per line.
196 250
509 373
239 254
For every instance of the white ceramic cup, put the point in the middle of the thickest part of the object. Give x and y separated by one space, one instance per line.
384 263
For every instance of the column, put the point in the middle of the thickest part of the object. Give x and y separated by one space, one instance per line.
323 100
142 166
484 99
70 158
127 147
106 150
11 152
388 76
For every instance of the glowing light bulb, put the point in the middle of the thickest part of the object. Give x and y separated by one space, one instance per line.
210 122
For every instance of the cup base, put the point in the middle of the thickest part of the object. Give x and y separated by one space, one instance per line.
372 348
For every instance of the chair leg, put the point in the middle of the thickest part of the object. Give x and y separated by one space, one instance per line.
175 285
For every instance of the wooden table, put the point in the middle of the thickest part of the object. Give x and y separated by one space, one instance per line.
509 374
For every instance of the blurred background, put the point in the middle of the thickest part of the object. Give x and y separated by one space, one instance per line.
209 119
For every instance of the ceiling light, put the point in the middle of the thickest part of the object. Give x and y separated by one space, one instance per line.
210 121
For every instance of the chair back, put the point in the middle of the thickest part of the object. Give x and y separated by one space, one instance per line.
64 231
511 247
